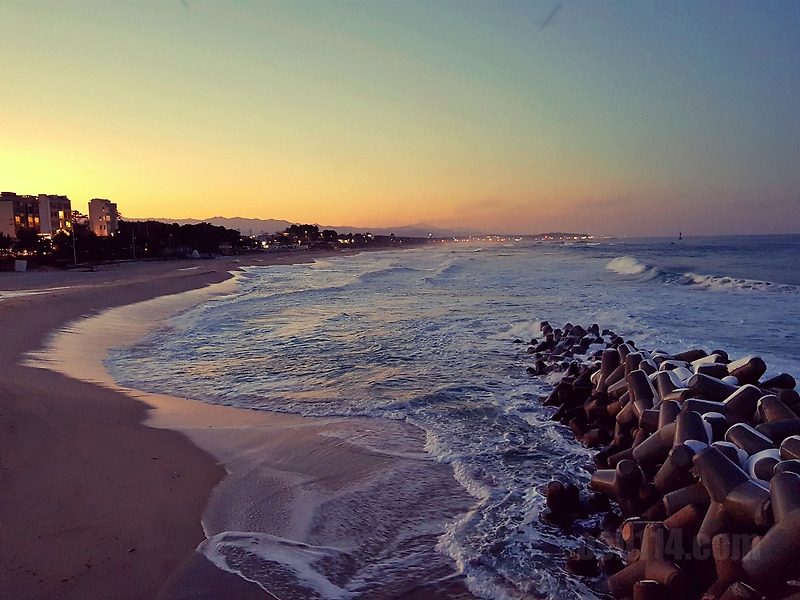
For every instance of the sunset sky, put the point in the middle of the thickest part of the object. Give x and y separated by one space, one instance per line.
620 118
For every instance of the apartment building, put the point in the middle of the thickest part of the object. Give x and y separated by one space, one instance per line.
103 217
54 214
18 212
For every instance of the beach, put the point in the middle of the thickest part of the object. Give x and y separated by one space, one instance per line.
357 426
103 489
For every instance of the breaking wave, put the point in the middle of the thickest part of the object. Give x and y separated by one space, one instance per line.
630 268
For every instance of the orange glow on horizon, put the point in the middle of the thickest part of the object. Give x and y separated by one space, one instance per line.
387 114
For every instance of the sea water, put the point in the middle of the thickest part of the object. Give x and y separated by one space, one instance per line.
426 335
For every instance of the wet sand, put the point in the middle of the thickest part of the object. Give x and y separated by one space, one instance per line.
101 505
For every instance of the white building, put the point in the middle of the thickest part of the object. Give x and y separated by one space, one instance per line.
54 213
103 217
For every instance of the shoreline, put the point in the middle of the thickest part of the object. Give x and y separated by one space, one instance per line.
302 463
78 465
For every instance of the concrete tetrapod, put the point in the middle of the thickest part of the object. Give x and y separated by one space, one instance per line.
736 500
656 412
688 425
652 565
773 561
625 483
728 553
676 473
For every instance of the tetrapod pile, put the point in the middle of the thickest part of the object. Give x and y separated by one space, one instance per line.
700 455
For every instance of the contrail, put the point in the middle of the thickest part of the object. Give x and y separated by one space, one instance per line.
184 3
552 14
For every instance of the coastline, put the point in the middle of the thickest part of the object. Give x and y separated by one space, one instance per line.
93 499
301 465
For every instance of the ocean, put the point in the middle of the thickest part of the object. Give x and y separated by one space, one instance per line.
426 335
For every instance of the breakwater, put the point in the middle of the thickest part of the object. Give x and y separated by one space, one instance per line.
696 476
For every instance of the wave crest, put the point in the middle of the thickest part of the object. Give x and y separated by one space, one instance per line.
631 268
628 266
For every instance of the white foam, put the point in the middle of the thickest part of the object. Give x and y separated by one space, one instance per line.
630 267
525 330
296 557
426 336
717 283
626 265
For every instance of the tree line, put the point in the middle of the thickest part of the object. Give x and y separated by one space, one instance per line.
156 239
132 240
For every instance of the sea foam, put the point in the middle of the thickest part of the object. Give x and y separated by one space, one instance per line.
425 335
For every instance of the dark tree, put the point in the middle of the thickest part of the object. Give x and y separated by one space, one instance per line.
329 235
28 240
304 233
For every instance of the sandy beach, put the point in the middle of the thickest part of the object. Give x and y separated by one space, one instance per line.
103 489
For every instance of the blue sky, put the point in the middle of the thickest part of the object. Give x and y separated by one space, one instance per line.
623 118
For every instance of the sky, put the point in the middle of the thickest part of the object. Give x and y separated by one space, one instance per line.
612 118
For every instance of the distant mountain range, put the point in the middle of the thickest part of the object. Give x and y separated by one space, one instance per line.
256 227
269 226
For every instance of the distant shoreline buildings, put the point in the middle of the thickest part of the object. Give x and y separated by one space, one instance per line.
48 215
103 217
